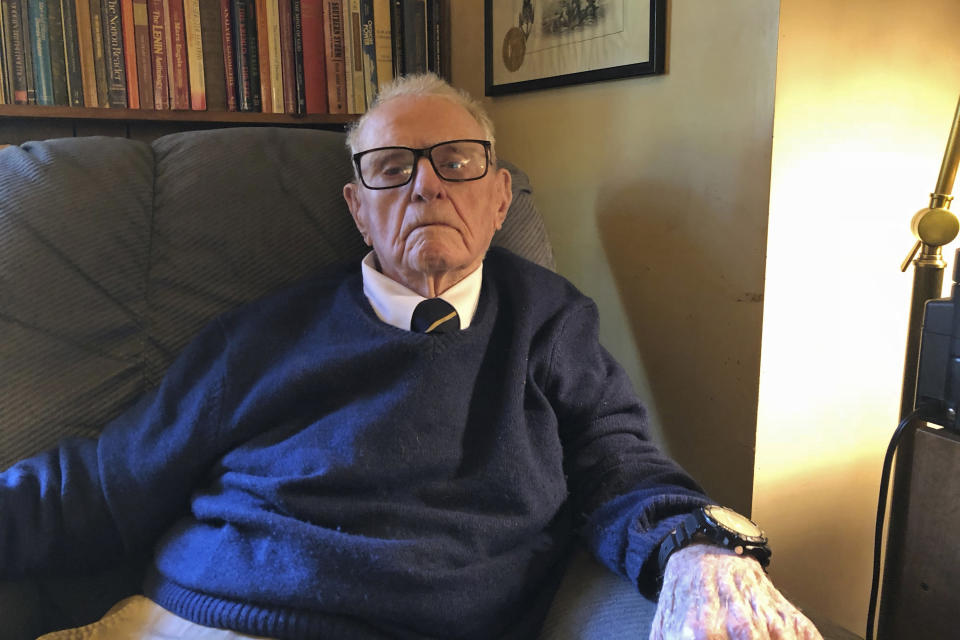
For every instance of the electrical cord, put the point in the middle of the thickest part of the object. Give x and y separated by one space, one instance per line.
881 513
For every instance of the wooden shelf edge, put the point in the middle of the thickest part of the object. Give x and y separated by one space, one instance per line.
74 113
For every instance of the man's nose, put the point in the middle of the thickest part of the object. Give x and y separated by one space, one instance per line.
426 183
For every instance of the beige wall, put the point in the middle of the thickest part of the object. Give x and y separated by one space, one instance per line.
655 194
861 123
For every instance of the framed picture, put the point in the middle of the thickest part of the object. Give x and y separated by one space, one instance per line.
536 44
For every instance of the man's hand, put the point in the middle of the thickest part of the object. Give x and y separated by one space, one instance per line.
711 593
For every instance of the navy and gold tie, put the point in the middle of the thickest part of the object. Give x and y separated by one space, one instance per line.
435 315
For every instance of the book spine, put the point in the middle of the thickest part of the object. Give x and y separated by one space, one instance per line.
158 54
27 52
355 58
113 50
194 37
314 57
434 22
415 36
85 45
40 47
227 31
397 38
12 24
383 42
130 53
369 49
287 64
71 52
334 56
99 55
245 52
58 60
6 92
263 54
177 56
276 58
212 41
141 39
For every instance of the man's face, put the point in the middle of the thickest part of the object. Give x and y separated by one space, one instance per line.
428 234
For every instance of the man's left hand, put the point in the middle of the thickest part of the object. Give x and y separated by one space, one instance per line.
711 593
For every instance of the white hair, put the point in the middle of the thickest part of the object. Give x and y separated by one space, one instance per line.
422 85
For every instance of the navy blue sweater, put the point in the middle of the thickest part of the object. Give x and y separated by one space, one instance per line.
314 472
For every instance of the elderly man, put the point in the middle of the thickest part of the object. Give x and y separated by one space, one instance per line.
399 449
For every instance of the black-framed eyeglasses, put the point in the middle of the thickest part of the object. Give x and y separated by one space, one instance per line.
453 160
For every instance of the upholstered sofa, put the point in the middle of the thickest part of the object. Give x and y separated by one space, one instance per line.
114 252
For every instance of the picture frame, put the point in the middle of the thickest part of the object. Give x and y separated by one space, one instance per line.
539 44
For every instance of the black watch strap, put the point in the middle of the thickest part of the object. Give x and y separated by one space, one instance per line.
697 526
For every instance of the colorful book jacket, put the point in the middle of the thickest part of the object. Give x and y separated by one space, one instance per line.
27 52
15 40
142 44
158 54
314 56
276 58
194 36
334 52
113 51
368 41
177 56
215 83
58 62
99 54
71 48
130 54
354 58
287 64
39 20
298 70
263 55
383 41
244 18
229 54
85 43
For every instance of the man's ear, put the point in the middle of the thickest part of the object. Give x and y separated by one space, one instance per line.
351 193
505 187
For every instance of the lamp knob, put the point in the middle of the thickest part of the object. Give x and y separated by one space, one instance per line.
935 226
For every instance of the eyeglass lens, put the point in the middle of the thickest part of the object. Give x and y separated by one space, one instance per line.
392 167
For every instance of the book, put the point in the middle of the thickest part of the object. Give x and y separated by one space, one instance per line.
99 54
142 45
27 52
229 54
414 36
215 84
244 19
334 51
396 38
383 41
368 50
263 54
58 63
176 55
113 52
275 61
287 63
313 54
71 50
158 54
195 72
435 17
130 54
15 42
85 45
39 20
354 58
6 93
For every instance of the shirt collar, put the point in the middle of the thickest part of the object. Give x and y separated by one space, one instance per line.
394 303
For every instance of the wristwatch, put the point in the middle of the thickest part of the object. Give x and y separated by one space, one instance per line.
721 526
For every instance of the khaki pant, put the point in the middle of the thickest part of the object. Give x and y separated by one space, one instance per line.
139 618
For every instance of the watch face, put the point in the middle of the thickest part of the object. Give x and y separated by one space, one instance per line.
734 521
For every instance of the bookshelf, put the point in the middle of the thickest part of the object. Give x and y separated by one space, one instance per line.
26 112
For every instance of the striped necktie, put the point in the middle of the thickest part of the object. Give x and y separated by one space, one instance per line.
435 315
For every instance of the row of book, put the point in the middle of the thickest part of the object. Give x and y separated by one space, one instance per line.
272 56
